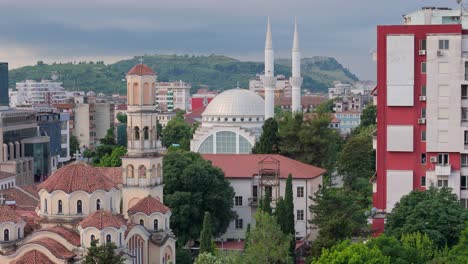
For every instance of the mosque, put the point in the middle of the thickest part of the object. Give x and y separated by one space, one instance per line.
80 203
232 122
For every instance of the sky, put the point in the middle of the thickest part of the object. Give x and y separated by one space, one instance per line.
109 30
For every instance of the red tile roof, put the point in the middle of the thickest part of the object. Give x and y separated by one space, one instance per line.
57 249
68 234
248 165
8 214
335 120
197 113
5 175
231 245
102 219
33 257
112 173
149 205
77 176
26 197
141 69
121 107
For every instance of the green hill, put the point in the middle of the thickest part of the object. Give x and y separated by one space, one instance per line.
216 72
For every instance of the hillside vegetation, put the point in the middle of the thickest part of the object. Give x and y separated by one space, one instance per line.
215 72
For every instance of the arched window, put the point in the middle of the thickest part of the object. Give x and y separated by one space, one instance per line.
79 207
159 174
93 238
98 204
45 205
59 207
111 205
108 238
130 171
156 225
6 235
145 133
136 133
142 222
19 233
142 171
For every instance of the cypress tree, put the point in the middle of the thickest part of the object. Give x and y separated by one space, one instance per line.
288 227
268 142
266 203
206 235
247 237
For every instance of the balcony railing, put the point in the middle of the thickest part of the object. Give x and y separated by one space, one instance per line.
443 169
253 201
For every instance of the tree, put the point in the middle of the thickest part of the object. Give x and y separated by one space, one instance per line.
268 243
247 237
87 153
265 203
268 142
159 129
102 254
177 131
285 213
109 138
459 252
114 159
206 244
420 247
74 145
338 214
369 115
352 253
325 107
122 118
192 186
391 247
435 212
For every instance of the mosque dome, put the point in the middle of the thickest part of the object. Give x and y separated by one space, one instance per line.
236 102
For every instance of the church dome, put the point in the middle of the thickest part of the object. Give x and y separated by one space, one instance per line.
102 219
141 69
75 177
148 206
236 102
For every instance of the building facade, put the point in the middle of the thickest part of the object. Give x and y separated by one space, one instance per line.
4 84
32 93
422 128
173 95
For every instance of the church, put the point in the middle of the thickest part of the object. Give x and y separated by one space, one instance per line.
80 203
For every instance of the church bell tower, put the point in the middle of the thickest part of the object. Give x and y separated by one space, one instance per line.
142 166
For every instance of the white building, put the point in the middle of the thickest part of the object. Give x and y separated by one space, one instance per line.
32 93
250 175
283 86
173 95
339 90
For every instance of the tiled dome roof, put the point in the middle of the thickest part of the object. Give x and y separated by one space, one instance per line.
102 219
7 214
33 257
75 177
141 69
149 205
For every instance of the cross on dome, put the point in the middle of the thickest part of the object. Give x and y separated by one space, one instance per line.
141 60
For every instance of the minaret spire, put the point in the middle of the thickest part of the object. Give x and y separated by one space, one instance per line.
269 79
296 79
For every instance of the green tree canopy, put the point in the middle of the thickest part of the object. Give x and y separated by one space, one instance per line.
193 186
325 107
435 212
369 115
102 254
268 142
74 145
206 244
177 131
114 159
352 253
265 203
285 213
122 118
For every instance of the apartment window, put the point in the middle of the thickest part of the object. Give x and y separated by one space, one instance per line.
443 159
464 113
463 182
423 181
466 70
422 44
239 223
442 183
423 112
466 137
300 215
443 44
423 135
300 191
238 200
464 91
423 158
464 160
423 67
423 90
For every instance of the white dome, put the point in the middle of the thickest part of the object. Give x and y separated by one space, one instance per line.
236 102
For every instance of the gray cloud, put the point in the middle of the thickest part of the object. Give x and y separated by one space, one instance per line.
112 29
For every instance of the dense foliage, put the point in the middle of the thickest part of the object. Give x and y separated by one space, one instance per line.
352 253
206 236
435 212
369 115
268 142
177 131
285 213
102 254
193 186
215 71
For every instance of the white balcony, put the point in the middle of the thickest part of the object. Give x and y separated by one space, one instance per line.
443 170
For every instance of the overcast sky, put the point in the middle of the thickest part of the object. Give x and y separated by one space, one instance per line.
64 30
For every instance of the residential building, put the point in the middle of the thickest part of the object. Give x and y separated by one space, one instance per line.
173 95
283 86
422 100
201 99
32 93
339 90
348 121
308 102
4 84
251 175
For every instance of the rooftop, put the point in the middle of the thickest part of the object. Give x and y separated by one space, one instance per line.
148 206
33 257
141 69
236 102
102 219
8 214
57 249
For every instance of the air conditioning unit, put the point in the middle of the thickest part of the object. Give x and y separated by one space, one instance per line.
422 98
422 52
440 53
422 121
433 159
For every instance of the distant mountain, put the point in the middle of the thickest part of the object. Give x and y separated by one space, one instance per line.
216 72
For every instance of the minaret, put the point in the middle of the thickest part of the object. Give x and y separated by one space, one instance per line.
269 79
296 79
